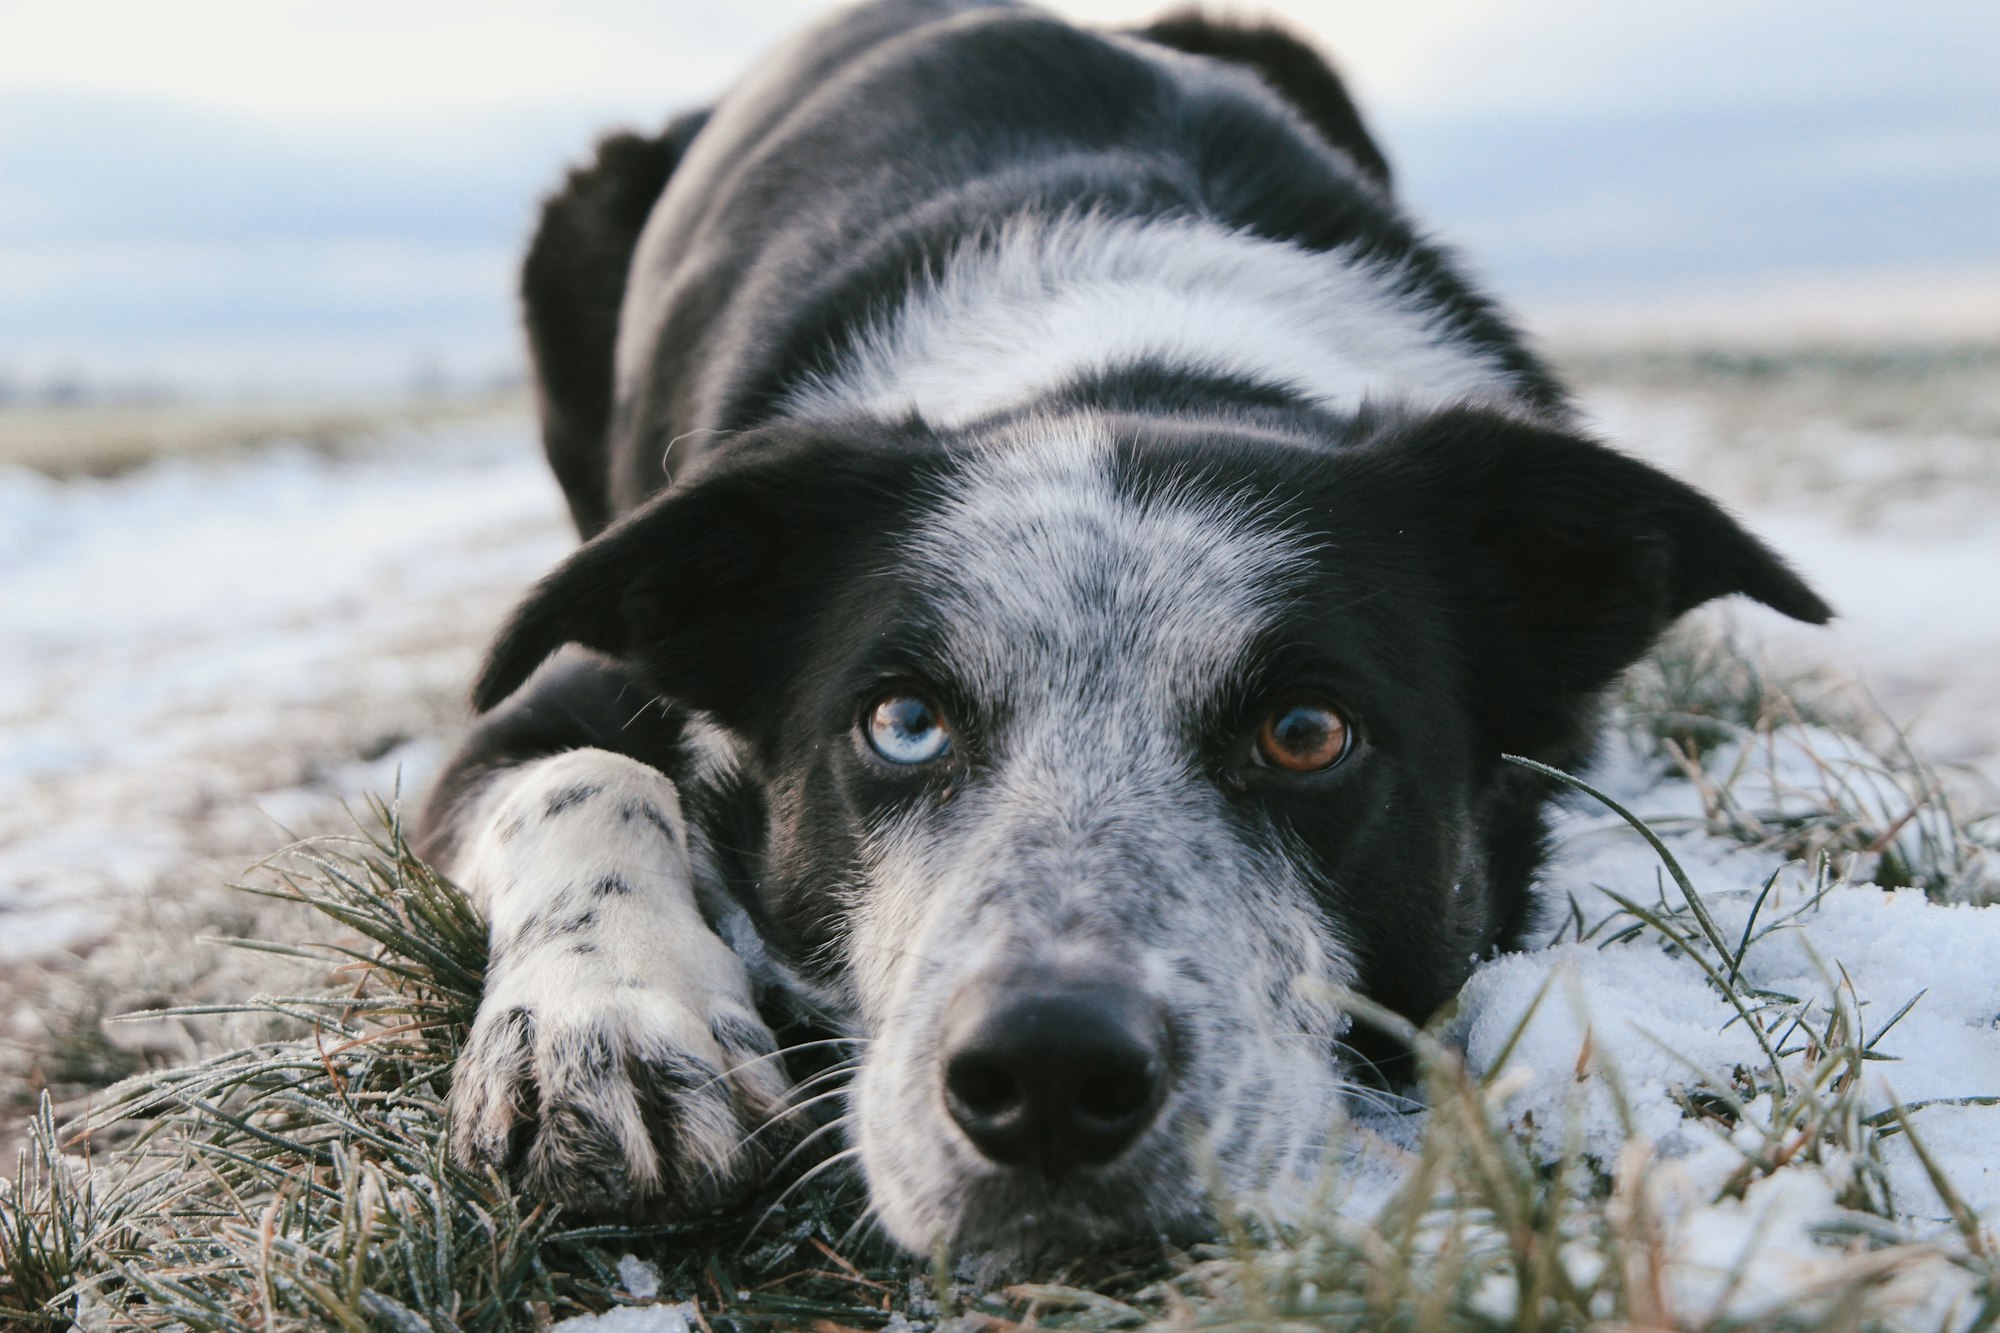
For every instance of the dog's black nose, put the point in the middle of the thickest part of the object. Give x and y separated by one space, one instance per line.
1050 1074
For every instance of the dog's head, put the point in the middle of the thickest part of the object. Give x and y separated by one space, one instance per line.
1101 753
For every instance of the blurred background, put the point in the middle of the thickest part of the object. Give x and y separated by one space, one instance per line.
276 196
268 473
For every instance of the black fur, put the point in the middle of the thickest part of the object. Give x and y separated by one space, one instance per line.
708 588
572 284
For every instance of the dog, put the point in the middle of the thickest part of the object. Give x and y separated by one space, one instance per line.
1064 558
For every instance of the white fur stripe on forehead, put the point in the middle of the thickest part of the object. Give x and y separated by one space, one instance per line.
1022 311
1049 575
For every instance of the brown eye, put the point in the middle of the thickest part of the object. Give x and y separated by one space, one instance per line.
1302 738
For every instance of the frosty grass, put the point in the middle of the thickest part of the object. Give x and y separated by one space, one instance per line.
1767 1102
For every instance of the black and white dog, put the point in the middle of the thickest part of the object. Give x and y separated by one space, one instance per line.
1065 558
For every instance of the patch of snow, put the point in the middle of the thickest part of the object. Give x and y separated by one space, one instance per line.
1919 618
1593 1043
633 1319
1608 1024
641 1279
1898 530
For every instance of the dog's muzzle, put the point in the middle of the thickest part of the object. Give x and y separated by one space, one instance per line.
1048 1072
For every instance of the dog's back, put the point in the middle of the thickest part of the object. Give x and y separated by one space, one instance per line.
860 158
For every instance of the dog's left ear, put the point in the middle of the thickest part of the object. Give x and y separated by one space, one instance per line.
1582 556
709 590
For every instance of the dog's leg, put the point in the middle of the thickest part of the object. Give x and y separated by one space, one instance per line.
617 1056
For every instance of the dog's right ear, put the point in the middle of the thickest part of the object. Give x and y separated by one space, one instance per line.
707 590
1289 65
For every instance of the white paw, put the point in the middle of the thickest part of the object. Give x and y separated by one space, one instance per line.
606 1098
617 1058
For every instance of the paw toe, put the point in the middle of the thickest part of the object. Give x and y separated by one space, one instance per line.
689 1112
580 1160
605 1113
493 1093
756 1074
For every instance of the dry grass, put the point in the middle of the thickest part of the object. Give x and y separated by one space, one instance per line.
100 440
1945 389
1808 766
305 1183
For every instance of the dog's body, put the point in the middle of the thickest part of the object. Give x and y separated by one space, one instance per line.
1066 560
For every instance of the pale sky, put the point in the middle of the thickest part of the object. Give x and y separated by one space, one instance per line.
313 59
271 192
310 59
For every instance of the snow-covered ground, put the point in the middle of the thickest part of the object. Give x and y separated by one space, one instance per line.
1623 1028
202 654
203 657
1900 531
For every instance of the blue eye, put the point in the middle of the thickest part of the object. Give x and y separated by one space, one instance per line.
905 729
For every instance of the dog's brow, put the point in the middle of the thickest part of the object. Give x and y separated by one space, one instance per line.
1047 568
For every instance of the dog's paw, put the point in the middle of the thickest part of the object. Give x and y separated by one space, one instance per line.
609 1099
617 1059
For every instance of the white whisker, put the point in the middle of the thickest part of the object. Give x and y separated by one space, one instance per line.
784 1116
805 1142
844 1155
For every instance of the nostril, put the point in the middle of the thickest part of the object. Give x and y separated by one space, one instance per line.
982 1086
1118 1096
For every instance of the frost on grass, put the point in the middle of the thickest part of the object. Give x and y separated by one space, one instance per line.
1751 1083
634 1319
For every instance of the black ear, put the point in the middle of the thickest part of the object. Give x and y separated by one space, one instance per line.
708 589
1292 68
1582 556
572 284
